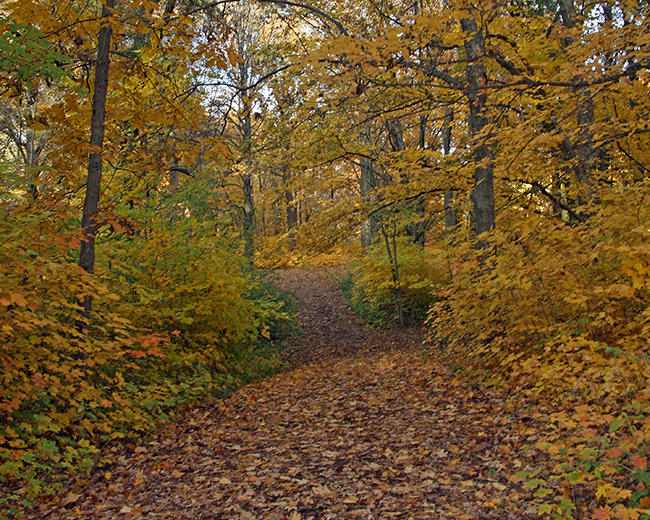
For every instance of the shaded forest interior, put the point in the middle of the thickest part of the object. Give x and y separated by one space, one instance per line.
176 176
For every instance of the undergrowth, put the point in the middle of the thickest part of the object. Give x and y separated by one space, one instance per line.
175 322
560 314
369 289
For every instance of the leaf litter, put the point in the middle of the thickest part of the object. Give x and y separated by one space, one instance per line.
363 425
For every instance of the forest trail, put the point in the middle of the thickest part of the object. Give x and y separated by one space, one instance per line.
363 426
330 328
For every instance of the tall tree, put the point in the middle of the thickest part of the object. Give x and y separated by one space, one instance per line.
483 193
93 182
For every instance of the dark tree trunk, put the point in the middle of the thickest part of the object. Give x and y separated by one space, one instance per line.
248 219
483 193
422 137
451 210
367 185
291 209
584 148
582 151
396 137
91 202
568 13
292 213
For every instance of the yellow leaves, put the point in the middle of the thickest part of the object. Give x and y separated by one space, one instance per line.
621 291
534 483
233 57
13 299
611 493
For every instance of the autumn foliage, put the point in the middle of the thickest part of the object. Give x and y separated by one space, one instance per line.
488 160
176 314
528 121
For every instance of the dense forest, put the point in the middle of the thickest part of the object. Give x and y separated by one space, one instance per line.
481 167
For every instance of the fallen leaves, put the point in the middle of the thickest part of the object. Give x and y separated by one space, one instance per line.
372 435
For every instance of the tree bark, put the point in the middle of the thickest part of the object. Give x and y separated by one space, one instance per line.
451 210
248 219
367 185
483 193
582 151
394 264
568 13
93 183
290 206
416 228
292 213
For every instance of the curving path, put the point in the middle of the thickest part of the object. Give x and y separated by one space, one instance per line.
363 426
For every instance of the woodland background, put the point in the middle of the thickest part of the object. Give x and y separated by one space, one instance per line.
482 165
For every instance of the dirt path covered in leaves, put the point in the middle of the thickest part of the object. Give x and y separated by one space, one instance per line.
363 426
330 328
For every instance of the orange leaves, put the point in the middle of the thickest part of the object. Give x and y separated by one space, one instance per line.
151 345
602 514
13 299
640 462
615 453
53 380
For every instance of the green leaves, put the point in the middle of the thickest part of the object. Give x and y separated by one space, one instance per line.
27 56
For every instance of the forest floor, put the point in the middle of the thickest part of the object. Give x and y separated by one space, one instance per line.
364 425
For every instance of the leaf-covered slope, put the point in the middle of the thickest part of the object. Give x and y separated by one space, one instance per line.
330 328
383 434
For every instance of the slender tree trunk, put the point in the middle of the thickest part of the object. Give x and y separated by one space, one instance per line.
91 202
422 136
396 137
584 148
451 210
367 184
483 193
30 154
392 258
291 210
248 219
249 214
582 151
292 214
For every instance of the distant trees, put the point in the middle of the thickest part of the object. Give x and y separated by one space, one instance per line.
473 101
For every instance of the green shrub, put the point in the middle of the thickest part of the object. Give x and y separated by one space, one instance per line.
369 288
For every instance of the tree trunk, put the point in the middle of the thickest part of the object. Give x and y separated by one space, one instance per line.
483 193
91 202
584 148
568 13
451 210
292 213
394 264
422 136
248 221
367 184
396 137
291 210
582 151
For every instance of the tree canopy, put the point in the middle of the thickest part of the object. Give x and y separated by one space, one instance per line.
484 162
